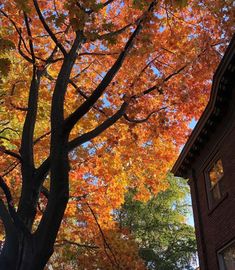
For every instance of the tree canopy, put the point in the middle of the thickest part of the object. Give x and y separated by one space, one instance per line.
160 227
96 97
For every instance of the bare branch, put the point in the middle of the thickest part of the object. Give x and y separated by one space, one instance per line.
50 58
78 89
89 11
2 123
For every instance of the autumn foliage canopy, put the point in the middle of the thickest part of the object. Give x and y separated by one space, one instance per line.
96 98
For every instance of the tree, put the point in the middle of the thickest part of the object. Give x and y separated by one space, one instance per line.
166 241
85 86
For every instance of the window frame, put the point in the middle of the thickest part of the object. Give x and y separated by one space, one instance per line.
209 188
220 257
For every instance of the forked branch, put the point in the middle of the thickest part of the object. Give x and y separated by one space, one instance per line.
87 105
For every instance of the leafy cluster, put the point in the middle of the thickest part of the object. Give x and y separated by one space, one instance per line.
165 239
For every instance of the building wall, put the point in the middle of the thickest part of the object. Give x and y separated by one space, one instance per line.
215 227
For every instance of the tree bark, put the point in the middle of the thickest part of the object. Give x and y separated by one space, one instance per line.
24 253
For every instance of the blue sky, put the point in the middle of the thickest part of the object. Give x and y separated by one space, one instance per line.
190 216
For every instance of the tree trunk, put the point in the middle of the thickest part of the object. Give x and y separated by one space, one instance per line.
24 254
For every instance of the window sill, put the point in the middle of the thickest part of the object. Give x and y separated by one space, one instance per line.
211 210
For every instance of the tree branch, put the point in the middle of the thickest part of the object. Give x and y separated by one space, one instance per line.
45 192
18 223
114 33
159 87
107 3
66 241
8 195
59 165
22 109
20 37
98 130
10 153
29 37
20 51
42 137
89 11
28 128
6 218
106 244
85 96
138 121
47 28
42 171
10 168
27 205
86 106
4 138
97 53
8 128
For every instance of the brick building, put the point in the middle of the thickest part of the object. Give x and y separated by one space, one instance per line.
208 161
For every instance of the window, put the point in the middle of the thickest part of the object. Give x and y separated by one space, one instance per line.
227 257
214 183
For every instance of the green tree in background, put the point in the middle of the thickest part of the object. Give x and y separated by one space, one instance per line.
166 241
